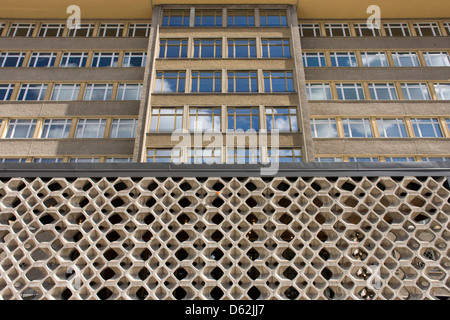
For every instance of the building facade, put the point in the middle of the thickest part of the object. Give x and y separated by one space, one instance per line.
314 83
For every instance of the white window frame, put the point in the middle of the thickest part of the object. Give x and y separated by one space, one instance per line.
431 25
115 128
47 160
340 87
326 89
329 122
68 55
423 86
365 122
360 159
122 91
373 87
320 56
90 87
128 55
15 123
58 87
106 27
413 57
215 115
51 56
399 122
6 55
45 27
434 122
162 113
13 160
285 153
119 160
207 155
135 26
388 27
397 159
435 158
9 88
359 30
42 87
328 159
382 56
343 27
15 26
83 123
439 88
114 56
88 26
48 123
444 55
84 160
351 56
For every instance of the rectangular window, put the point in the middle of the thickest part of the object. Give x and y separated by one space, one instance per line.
11 59
90 128
166 119
13 160
241 18
74 60
310 30
442 91
48 160
242 81
374 59
416 91
397 30
204 118
314 59
206 81
427 29
437 59
406 59
173 48
337 30
65 92
129 91
318 91
139 29
119 160
285 155
134 59
32 92
363 159
21 30
343 59
207 48
278 81
208 18
42 59
83 31
357 128
426 128
350 91
243 118
243 155
275 48
51 30
105 60
176 18
208 156
241 48
324 128
383 91
98 92
329 159
273 18
56 128
123 128
282 119
110 30
363 30
84 160
170 81
21 128
392 128
400 159
6 92
435 158
163 156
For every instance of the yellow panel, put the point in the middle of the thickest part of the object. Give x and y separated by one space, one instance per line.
142 9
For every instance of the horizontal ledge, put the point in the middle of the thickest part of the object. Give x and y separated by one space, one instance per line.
140 170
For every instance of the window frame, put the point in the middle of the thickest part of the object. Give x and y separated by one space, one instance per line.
390 87
433 122
91 87
133 27
42 87
235 113
98 56
243 155
202 14
407 86
106 30
433 26
233 77
89 27
182 48
250 13
325 87
47 125
169 14
200 76
336 57
343 27
36 56
329 123
215 114
172 157
157 115
82 124
122 91
399 123
264 15
271 115
358 87
390 27
57 88
234 44
399 56
66 56
17 26
203 46
8 88
45 27
315 27
4 56
118 122
320 56
268 44
14 124
428 59
360 27
180 77
296 154
440 92
270 75
207 155
350 132
381 56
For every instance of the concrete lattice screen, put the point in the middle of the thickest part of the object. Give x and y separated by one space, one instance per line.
224 238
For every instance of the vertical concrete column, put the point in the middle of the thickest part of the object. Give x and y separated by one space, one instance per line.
224 81
300 85
145 104
224 18
191 17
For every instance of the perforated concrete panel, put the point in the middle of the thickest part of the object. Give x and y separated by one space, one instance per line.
224 238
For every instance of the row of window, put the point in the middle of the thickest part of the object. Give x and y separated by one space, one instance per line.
211 81
168 119
71 91
394 29
380 158
377 59
236 48
72 59
83 30
68 159
378 91
379 127
61 128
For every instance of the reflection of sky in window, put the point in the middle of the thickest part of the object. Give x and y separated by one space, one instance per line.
443 91
314 60
426 128
319 92
416 92
357 128
391 129
383 92
11 61
344 60
324 129
374 60
5 92
437 59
